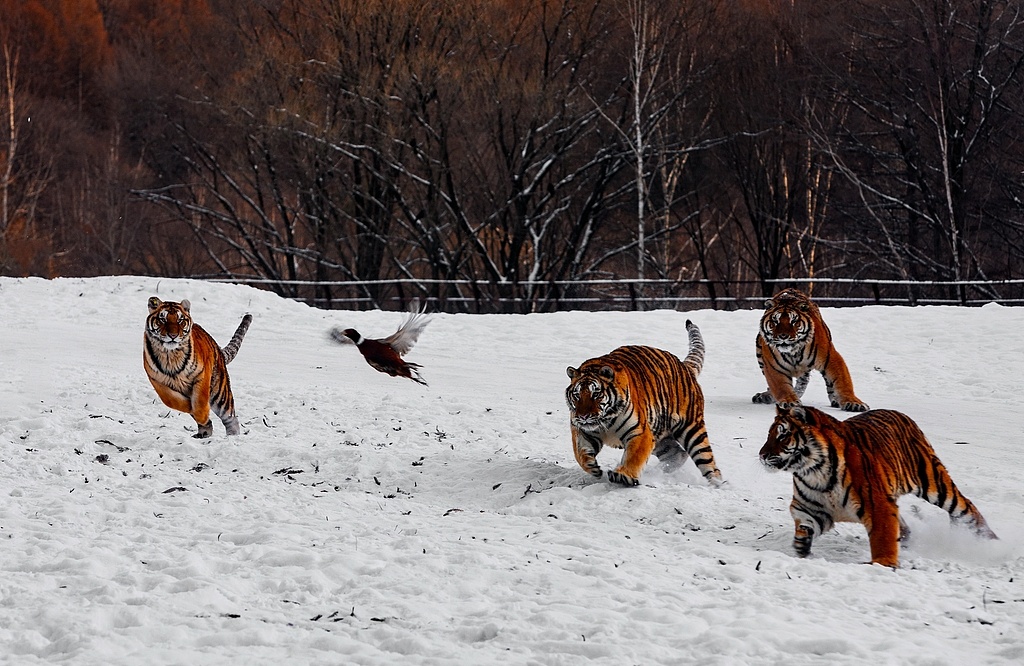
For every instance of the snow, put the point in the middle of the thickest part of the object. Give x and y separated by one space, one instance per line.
364 519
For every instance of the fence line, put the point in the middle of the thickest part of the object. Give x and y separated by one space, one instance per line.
465 295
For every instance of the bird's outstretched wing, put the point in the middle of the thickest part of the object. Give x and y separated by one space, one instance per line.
409 332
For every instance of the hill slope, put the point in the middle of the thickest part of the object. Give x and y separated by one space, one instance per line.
366 519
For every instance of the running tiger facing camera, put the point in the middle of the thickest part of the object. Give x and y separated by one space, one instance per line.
187 367
643 400
793 340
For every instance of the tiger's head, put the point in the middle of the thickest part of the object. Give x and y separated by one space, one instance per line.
788 319
593 396
796 442
169 324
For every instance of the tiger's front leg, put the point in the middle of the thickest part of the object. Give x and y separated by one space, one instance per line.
780 388
780 385
637 452
839 385
586 452
807 527
802 539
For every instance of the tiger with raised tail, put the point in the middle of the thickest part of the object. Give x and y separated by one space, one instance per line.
643 400
793 340
187 367
855 471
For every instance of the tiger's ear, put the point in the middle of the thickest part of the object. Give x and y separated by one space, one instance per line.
608 372
572 372
186 305
769 303
154 303
797 412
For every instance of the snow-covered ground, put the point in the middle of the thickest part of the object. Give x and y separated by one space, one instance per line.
364 519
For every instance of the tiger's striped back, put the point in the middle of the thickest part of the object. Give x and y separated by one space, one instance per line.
638 398
855 471
187 367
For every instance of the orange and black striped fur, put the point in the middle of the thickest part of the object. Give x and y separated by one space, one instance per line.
793 340
643 400
187 367
855 470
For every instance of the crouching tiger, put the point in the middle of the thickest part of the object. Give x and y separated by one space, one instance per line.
643 400
793 340
855 471
187 367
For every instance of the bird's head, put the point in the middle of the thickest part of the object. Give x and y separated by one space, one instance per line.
353 335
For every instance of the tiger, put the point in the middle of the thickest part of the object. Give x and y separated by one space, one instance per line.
855 471
793 340
643 400
187 367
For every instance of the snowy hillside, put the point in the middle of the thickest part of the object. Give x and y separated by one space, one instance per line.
364 519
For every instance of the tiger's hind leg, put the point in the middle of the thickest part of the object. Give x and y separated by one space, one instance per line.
227 416
694 440
222 402
904 530
883 524
231 424
670 454
801 384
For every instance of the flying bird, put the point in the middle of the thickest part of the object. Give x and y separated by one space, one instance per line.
386 354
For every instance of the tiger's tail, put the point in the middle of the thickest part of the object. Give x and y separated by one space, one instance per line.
942 492
231 348
695 358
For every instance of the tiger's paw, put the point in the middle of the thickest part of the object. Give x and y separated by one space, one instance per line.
623 479
715 480
852 406
763 398
890 563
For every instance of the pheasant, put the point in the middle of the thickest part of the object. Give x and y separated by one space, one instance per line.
385 354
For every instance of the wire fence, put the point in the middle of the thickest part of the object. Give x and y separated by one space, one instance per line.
630 294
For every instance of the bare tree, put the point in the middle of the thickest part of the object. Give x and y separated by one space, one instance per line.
932 89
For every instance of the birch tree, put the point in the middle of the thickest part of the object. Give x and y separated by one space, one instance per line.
24 176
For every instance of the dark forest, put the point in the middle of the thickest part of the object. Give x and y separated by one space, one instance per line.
471 151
